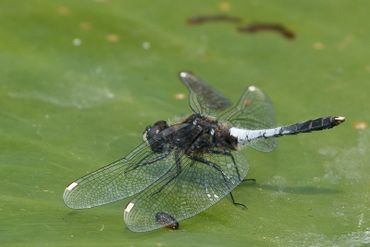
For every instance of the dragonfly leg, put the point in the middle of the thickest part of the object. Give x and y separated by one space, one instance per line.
139 164
178 171
211 164
247 180
227 153
236 203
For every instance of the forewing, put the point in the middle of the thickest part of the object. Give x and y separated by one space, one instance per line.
197 188
120 179
253 111
203 98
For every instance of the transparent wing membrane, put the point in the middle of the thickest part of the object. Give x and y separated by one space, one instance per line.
203 98
120 179
253 111
196 188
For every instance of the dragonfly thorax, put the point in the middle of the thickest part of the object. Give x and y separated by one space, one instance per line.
213 135
195 134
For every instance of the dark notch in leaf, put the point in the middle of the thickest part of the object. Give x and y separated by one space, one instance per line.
258 27
166 220
201 19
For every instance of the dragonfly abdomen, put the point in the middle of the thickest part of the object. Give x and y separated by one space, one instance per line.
312 125
245 136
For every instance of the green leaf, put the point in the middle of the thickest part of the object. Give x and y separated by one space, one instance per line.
80 81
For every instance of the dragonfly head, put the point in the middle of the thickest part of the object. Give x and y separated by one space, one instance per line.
151 135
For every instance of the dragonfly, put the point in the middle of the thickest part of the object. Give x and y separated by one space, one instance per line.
183 168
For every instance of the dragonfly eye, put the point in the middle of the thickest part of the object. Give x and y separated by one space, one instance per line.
151 131
160 125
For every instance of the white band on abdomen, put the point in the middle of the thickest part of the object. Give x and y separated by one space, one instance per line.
246 135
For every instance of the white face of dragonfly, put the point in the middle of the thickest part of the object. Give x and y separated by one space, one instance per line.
144 137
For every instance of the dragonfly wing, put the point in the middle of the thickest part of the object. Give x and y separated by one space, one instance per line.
203 98
120 179
253 111
195 189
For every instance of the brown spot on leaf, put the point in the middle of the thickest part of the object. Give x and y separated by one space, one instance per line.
63 10
85 25
258 27
224 6
360 125
318 45
112 38
247 102
180 96
201 19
